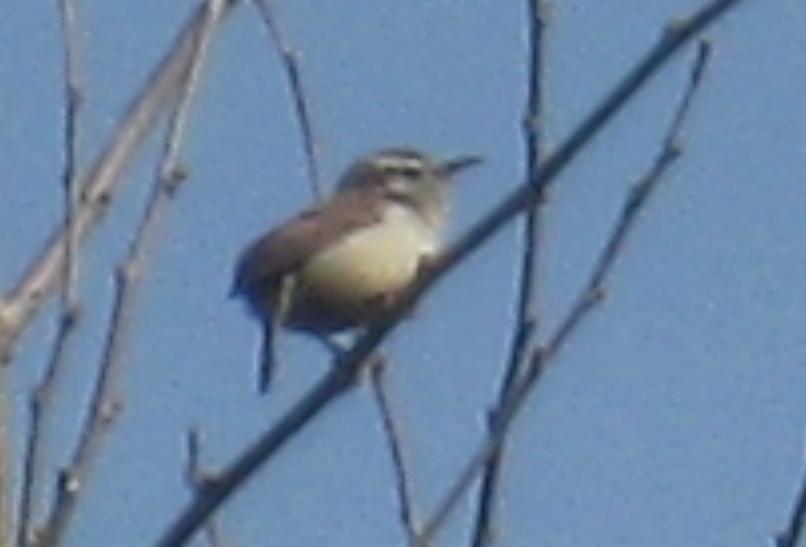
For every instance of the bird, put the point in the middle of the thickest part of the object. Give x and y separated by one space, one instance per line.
343 263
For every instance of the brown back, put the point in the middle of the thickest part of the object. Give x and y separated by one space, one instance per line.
287 247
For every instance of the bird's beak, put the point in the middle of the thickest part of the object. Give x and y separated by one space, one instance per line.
453 166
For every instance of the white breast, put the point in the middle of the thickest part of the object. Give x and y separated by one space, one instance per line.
372 261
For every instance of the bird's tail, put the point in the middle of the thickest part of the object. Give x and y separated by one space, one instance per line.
268 354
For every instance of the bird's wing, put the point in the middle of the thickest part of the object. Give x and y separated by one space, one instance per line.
288 247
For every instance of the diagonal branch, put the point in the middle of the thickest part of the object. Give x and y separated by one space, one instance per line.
347 366
105 405
793 533
328 390
19 305
589 297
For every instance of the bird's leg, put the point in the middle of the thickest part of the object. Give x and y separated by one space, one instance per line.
336 349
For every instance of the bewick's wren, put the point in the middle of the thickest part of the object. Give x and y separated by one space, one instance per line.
343 263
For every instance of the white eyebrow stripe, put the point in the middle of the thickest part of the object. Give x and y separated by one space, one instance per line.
398 162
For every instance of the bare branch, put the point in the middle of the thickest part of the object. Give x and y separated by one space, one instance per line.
334 384
527 321
197 480
20 304
105 404
290 59
394 441
347 366
6 484
591 294
40 404
791 536
73 101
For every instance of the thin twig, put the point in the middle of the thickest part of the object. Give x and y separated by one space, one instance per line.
41 399
792 534
197 480
290 59
527 321
328 390
19 305
393 440
74 100
591 294
105 403
348 365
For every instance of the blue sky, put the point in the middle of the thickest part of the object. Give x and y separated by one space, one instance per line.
676 415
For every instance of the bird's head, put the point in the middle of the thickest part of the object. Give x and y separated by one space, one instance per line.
406 176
